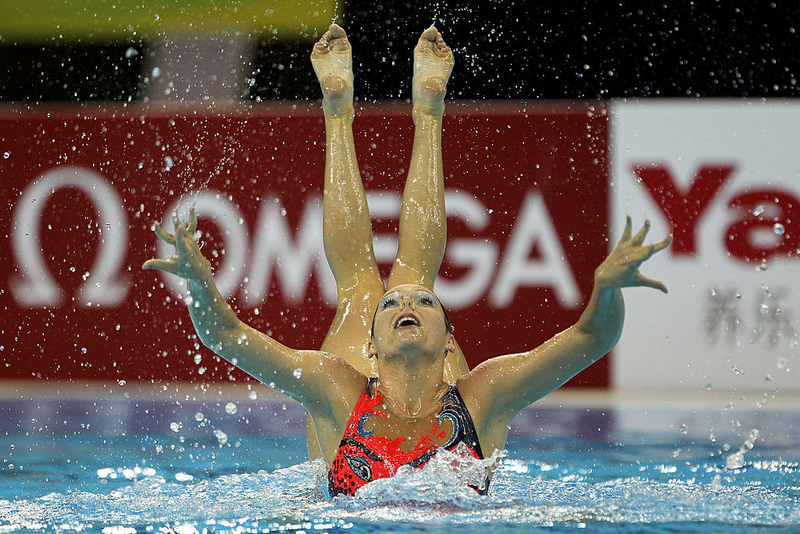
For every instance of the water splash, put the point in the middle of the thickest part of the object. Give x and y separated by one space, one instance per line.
446 481
736 459
523 495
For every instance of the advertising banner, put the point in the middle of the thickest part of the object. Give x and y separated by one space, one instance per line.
724 178
527 201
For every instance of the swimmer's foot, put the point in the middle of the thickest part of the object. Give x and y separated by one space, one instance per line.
433 63
333 65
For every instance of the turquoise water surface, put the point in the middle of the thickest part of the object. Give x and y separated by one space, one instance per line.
148 465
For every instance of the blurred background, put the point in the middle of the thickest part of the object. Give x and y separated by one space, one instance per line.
583 97
257 50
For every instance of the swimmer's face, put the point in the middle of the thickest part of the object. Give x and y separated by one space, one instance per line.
410 315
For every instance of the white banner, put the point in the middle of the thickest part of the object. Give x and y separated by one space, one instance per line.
724 177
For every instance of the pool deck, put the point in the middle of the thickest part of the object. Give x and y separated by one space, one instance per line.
566 397
54 408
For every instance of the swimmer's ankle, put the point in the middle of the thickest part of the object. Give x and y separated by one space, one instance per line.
428 95
427 112
338 110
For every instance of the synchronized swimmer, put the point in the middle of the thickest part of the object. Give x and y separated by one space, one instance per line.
390 386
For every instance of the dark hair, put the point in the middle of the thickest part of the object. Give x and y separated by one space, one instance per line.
447 324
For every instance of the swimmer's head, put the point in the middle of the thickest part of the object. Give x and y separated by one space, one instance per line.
409 317
410 294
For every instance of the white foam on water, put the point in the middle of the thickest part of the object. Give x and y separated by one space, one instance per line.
438 496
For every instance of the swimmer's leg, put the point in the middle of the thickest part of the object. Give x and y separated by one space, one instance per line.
347 228
423 225
423 222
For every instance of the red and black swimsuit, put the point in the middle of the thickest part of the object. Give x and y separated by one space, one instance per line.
370 448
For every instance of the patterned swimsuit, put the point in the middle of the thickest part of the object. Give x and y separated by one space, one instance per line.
367 453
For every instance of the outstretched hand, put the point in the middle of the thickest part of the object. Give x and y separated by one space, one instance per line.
188 262
621 267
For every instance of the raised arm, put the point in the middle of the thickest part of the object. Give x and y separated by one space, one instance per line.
305 375
499 388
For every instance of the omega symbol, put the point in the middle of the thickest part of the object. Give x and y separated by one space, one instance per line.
35 284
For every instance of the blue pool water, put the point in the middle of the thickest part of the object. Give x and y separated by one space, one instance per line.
117 465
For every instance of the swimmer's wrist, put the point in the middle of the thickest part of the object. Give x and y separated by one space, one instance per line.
201 282
602 282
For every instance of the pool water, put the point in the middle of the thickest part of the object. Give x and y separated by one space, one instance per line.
117 465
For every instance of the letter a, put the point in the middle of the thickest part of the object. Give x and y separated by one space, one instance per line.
533 227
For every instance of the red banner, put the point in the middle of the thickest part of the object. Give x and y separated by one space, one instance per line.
527 217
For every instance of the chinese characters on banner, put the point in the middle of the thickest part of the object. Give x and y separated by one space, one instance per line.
723 178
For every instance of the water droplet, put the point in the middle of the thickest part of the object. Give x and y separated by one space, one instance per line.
131 52
175 427
156 72
298 373
199 416
253 395
735 460
764 309
106 472
778 228
6 154
684 429
230 408
758 210
782 363
222 437
198 358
